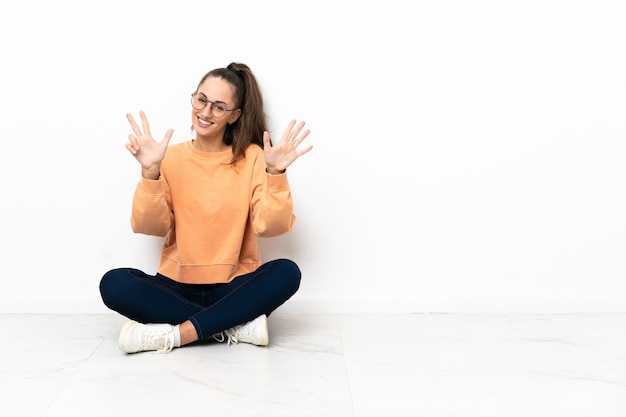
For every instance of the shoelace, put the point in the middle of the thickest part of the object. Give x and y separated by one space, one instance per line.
168 345
226 334
233 335
156 338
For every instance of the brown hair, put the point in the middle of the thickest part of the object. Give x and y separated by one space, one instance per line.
251 124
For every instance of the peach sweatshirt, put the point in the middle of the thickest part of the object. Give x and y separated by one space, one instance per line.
211 213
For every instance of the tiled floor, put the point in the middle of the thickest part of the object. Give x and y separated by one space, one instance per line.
324 365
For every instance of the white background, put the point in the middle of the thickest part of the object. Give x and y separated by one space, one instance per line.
468 155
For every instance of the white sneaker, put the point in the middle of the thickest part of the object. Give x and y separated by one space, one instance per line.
254 332
137 337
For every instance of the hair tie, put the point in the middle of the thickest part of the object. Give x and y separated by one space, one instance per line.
235 71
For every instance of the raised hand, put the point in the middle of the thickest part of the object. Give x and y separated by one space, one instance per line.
144 148
285 152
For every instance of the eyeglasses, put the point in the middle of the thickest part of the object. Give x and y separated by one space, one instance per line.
218 108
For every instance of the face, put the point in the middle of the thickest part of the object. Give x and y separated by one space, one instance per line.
221 93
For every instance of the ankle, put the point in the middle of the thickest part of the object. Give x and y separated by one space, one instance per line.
187 333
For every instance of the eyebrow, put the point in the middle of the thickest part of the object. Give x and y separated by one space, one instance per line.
214 102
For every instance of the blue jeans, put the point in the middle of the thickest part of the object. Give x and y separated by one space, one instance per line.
211 308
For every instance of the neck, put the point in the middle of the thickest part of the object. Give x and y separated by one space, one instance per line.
209 146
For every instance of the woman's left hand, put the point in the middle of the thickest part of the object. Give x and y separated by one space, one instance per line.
281 155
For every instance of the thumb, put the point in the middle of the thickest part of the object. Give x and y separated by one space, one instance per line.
167 137
267 143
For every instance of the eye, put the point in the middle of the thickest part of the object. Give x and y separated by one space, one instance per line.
203 100
221 107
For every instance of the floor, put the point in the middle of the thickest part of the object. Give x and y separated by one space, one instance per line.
324 365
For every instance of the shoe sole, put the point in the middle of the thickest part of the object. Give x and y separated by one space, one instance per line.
125 329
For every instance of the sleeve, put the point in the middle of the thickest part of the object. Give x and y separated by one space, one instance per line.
271 203
152 212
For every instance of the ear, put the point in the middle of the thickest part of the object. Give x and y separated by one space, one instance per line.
234 116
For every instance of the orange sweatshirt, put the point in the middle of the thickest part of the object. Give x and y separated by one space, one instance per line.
211 213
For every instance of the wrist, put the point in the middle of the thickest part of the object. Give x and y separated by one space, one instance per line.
151 173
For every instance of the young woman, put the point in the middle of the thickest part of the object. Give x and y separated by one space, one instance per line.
210 197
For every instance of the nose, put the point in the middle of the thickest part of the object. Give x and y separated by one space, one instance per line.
206 111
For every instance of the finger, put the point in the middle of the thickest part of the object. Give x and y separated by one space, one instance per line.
299 139
293 138
168 136
296 131
133 124
131 149
287 132
305 150
144 123
267 142
133 141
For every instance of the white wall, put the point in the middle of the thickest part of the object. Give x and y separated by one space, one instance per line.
469 155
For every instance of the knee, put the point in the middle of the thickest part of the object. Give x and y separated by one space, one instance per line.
106 286
291 274
111 285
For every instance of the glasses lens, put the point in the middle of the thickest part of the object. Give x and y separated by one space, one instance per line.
218 109
198 102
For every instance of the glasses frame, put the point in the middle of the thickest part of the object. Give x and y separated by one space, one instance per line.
193 95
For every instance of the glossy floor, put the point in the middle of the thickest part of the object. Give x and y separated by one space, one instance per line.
324 365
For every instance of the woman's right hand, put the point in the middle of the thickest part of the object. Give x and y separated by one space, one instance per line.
145 149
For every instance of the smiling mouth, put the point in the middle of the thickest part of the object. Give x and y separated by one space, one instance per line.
204 123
